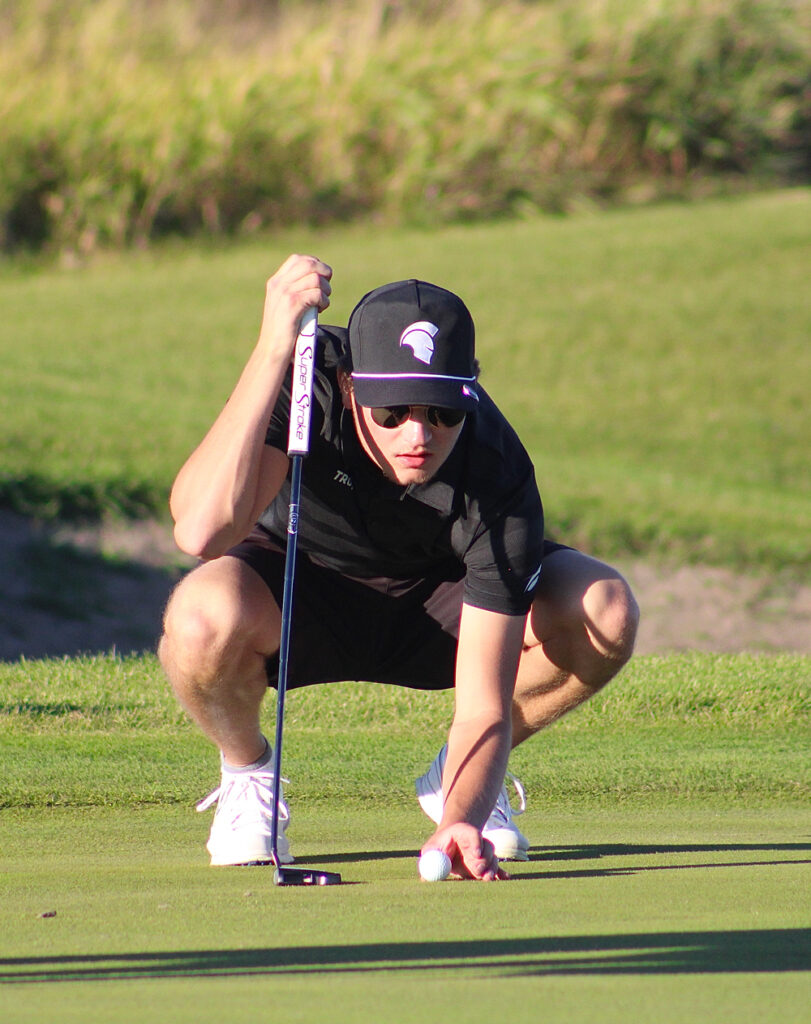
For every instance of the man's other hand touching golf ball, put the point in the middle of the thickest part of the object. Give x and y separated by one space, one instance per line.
459 851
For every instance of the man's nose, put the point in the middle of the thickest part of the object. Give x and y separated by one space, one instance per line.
418 428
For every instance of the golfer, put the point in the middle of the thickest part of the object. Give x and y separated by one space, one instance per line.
422 562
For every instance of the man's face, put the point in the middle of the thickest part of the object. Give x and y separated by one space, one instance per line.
410 453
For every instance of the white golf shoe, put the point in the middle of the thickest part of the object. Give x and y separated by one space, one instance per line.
500 829
240 832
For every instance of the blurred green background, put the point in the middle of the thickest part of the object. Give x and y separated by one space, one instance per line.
125 120
618 189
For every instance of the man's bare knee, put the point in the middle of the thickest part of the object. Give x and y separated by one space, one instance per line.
214 615
584 617
192 636
612 618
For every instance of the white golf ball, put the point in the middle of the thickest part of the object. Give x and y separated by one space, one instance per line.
434 866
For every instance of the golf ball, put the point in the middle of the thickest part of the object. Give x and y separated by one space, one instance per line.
434 866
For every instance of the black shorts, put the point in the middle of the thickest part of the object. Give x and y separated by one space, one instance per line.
377 630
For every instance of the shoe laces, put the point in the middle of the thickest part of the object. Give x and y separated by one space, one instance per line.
503 809
244 790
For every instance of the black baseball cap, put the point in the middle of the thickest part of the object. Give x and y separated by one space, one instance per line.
412 343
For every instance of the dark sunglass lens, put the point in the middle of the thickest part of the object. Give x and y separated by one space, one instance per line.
440 417
390 416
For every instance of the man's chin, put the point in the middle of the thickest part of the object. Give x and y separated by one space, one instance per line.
410 477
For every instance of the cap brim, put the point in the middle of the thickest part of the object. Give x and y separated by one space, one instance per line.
424 390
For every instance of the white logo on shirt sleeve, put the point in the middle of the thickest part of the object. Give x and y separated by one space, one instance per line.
533 580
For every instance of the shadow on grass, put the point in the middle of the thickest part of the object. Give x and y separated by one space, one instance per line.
598 851
522 872
592 851
710 952
527 876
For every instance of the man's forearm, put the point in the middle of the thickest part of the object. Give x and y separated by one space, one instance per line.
478 751
480 736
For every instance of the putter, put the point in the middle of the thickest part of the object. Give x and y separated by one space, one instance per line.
298 446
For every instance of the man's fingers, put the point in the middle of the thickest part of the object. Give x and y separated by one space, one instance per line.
491 870
302 263
312 282
478 860
472 856
302 282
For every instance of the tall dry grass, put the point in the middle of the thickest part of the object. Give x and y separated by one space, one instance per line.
120 121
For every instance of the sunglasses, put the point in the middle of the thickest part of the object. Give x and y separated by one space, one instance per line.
391 416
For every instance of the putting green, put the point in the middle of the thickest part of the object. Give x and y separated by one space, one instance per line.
673 913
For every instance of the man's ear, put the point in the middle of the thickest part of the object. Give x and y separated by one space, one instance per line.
345 384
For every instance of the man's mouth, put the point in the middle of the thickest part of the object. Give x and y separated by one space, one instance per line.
414 460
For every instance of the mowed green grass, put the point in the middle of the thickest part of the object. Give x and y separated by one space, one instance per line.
620 915
655 361
668 879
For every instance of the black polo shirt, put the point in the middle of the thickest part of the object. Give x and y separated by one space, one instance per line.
479 518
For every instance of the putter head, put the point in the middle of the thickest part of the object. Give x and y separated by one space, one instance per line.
304 876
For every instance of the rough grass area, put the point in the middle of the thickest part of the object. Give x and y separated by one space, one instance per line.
107 693
106 731
124 121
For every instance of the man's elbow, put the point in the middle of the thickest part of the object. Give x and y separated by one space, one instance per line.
196 541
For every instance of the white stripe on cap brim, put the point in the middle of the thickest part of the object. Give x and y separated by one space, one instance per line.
412 376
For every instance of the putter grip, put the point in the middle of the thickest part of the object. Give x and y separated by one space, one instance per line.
301 392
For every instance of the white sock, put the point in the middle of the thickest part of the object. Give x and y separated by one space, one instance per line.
263 761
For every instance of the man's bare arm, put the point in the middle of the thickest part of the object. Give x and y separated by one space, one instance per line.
480 736
232 476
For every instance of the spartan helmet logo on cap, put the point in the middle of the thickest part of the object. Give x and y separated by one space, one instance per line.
420 339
